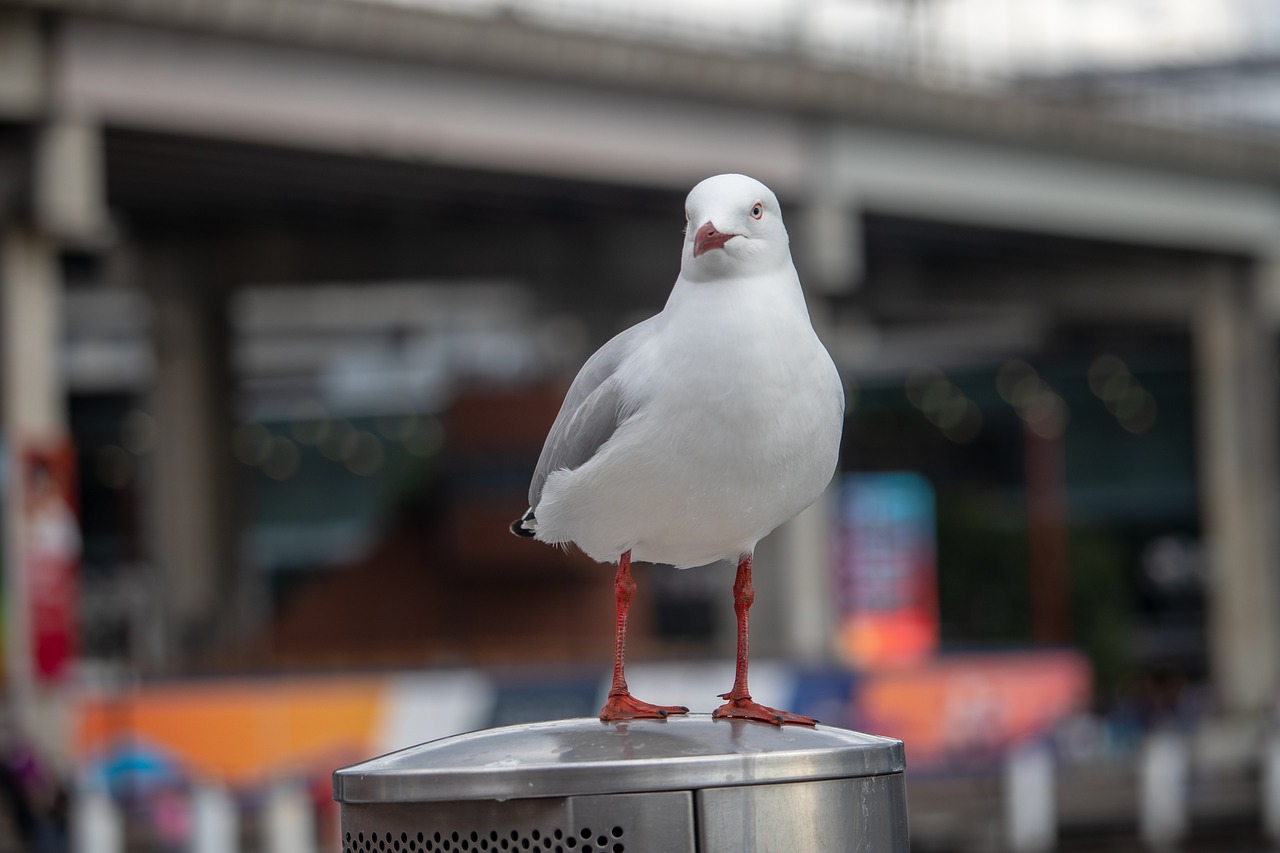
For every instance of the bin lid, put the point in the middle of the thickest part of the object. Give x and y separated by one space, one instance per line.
586 756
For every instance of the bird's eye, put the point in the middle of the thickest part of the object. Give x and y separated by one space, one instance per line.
757 210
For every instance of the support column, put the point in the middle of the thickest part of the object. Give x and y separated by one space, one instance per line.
34 406
1237 426
64 199
828 252
803 567
191 486
795 618
827 227
829 245
68 194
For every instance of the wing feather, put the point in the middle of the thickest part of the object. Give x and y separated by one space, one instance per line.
592 409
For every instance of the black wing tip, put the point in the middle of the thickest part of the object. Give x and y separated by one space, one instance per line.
518 528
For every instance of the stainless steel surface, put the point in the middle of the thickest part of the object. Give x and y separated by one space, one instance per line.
583 786
868 813
606 824
585 756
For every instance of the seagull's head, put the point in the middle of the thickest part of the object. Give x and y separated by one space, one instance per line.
733 226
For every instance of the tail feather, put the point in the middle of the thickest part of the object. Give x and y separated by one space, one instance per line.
525 526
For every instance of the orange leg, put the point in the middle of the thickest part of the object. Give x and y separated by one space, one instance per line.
740 705
621 704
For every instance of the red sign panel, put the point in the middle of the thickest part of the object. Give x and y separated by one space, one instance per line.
50 557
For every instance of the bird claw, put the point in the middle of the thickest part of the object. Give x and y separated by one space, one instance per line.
746 709
624 706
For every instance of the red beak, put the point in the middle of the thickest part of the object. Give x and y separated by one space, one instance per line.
708 238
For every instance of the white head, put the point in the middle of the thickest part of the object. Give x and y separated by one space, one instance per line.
733 227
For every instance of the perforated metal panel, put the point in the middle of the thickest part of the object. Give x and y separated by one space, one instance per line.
606 824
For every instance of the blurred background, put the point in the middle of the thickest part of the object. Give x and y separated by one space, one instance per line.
291 290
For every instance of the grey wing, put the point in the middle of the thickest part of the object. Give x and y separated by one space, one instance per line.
591 411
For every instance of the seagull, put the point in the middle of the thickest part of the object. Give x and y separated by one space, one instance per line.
690 436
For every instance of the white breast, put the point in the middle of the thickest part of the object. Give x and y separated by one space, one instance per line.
736 429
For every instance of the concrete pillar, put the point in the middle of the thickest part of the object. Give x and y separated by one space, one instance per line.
793 617
804 570
827 248
34 406
65 196
190 486
23 58
828 245
35 401
1237 428
68 190
826 227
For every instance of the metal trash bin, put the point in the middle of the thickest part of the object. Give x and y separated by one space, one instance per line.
645 786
